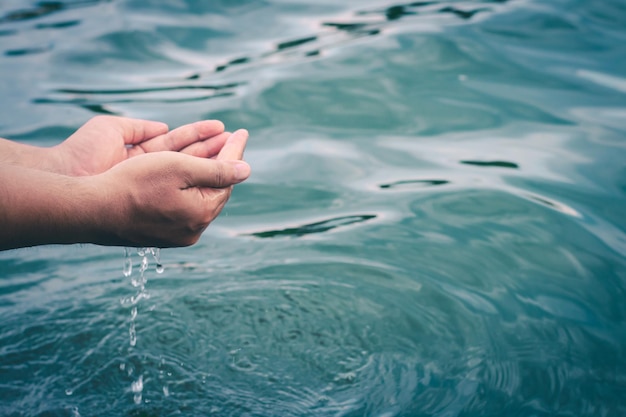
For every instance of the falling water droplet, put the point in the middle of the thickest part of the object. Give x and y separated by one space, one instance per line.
138 281
156 254
144 264
69 392
132 332
137 388
128 263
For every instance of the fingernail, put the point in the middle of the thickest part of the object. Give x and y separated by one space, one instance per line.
242 170
241 132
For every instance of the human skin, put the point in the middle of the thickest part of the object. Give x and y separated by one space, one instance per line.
119 181
105 141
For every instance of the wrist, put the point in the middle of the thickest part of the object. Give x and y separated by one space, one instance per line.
29 156
41 208
103 211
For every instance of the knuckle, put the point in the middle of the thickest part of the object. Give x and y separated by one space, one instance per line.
220 176
101 119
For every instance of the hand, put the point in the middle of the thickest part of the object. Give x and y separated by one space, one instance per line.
168 198
105 141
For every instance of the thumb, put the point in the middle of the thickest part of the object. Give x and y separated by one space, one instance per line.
201 172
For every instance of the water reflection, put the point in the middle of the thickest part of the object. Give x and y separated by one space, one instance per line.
317 227
423 235
27 51
45 8
496 164
296 42
58 25
101 100
414 184
331 34
431 7
553 204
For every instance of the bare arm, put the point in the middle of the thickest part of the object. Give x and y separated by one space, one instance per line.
105 141
39 207
158 199
28 156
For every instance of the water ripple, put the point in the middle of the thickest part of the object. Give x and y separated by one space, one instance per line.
434 226
45 8
412 184
332 34
316 227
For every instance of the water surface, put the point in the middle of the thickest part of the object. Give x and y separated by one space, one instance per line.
434 226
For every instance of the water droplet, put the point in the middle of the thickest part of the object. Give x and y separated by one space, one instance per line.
132 334
166 391
156 254
138 281
348 377
128 263
137 388
69 392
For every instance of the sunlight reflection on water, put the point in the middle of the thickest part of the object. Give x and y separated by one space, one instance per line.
433 225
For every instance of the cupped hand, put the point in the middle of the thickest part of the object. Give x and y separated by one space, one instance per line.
105 141
168 199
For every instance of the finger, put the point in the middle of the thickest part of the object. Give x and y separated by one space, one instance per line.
182 137
208 148
132 130
136 130
200 172
234 146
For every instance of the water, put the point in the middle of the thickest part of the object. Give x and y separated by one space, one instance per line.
434 225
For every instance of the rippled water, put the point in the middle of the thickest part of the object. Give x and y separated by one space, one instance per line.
435 225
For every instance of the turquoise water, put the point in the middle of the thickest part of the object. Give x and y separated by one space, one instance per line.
435 224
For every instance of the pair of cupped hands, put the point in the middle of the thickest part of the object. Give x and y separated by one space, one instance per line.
163 187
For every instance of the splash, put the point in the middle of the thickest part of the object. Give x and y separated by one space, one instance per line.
139 282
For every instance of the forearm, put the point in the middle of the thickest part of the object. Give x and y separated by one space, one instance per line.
39 207
28 156
157 199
